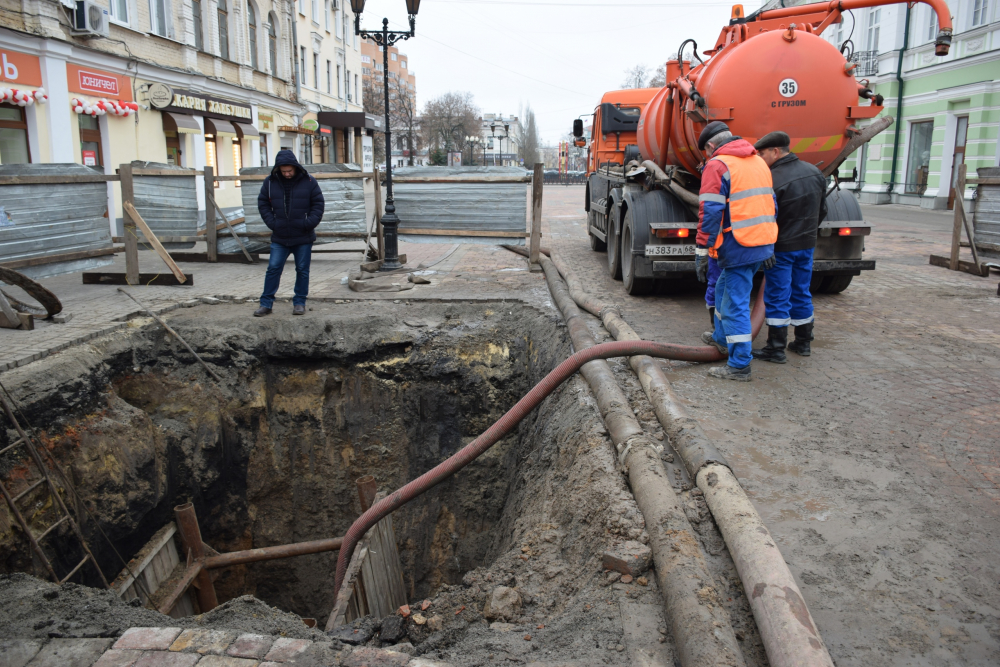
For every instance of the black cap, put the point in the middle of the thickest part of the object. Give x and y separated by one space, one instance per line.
773 140
712 129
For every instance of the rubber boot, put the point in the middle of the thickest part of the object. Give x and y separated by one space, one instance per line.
803 336
711 316
774 349
727 372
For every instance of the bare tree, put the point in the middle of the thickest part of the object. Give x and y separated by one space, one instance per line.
529 144
659 78
402 113
635 77
448 119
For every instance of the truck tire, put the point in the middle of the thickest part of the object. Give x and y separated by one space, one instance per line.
633 285
836 284
816 284
596 244
614 250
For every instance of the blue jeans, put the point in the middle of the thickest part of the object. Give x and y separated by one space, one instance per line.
786 291
713 276
272 279
732 312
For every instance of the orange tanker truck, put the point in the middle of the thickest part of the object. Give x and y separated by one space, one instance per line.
767 71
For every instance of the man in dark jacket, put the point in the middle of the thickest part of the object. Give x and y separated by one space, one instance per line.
291 204
800 189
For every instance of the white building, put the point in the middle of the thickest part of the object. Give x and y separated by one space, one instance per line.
502 136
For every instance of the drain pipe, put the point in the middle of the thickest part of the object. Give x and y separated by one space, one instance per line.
786 627
899 101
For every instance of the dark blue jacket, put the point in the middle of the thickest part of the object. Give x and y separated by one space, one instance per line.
291 207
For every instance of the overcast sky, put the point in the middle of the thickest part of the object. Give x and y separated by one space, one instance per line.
556 55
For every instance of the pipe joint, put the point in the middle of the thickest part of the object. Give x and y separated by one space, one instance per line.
943 42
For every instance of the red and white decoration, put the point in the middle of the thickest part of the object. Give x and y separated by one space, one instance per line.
102 107
23 98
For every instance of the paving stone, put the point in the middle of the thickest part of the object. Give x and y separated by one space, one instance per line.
70 653
17 652
167 659
150 639
632 558
250 646
285 648
119 658
204 641
374 657
226 661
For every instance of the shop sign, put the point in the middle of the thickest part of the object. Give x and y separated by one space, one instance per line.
20 68
367 154
90 158
312 124
95 82
186 101
265 120
160 95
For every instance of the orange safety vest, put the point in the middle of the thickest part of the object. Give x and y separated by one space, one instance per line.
751 203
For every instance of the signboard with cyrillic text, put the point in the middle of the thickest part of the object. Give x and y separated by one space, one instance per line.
196 104
20 68
98 83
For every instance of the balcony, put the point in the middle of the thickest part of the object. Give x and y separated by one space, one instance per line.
867 62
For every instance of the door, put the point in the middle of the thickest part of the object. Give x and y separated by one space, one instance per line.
173 148
90 141
958 158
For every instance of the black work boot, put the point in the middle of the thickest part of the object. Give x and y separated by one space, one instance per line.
262 311
711 316
727 372
774 349
803 336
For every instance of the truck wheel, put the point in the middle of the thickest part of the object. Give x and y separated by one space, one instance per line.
614 252
596 244
836 284
816 284
633 285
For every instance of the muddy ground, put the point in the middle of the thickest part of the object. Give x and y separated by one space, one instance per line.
309 406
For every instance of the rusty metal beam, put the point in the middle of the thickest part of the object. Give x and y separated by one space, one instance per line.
190 533
180 589
272 553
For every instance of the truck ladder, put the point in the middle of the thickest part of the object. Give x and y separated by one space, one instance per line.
12 501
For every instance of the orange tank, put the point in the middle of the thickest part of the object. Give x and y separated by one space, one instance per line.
769 72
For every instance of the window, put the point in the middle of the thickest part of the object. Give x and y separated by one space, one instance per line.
252 24
874 18
379 67
119 11
402 63
932 25
357 96
339 93
158 17
366 59
13 135
316 71
307 149
326 15
223 30
394 56
210 155
237 157
199 37
272 47
338 23
263 150
302 64
347 84
329 78
90 141
919 159
314 11
302 7
980 9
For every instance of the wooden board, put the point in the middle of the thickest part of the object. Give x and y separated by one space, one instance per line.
53 180
62 257
138 171
153 241
222 225
967 267
226 257
103 278
319 177
410 231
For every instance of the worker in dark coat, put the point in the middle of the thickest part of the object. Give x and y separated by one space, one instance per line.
291 205
800 189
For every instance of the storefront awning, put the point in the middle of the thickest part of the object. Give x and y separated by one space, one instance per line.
180 123
342 119
219 127
247 131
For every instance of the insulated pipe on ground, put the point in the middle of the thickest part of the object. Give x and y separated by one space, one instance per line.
272 553
786 627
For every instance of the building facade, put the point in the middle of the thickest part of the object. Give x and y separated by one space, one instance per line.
502 137
404 115
947 109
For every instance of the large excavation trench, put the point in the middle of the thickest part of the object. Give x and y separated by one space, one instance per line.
314 403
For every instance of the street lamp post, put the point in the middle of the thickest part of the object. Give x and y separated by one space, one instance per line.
505 135
386 38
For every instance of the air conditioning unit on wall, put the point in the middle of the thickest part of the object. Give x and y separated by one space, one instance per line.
90 19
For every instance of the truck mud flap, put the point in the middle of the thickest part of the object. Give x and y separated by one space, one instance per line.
661 268
843 267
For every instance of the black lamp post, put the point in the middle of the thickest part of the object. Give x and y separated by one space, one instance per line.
386 38
505 135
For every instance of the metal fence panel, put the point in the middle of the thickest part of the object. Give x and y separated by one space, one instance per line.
344 210
986 220
452 199
40 221
168 204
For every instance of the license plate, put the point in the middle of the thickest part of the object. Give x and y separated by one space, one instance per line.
672 249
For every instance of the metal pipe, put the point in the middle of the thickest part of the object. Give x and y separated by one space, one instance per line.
367 488
786 627
190 533
272 553
195 570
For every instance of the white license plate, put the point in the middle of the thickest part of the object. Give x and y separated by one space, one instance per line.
672 249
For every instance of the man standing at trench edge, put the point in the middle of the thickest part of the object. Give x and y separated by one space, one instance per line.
801 192
736 224
291 205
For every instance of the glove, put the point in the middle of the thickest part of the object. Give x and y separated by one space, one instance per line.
701 265
769 263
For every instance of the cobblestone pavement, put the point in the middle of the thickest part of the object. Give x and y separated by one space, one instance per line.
876 461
